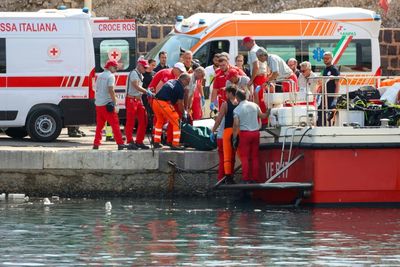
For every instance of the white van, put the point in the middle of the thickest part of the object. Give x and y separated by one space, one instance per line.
46 65
48 62
304 34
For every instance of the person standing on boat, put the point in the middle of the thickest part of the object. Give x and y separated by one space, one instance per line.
226 114
258 72
279 71
245 126
307 81
332 86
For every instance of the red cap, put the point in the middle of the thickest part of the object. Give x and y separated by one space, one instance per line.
111 63
247 39
143 62
232 73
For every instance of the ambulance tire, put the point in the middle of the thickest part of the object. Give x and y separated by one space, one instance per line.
44 124
16 132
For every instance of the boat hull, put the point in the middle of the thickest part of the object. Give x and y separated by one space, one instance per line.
339 174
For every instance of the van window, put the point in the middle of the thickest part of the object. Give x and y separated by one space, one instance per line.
206 53
117 50
172 44
284 48
3 55
357 57
122 50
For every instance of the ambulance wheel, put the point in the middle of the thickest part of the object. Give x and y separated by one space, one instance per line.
17 132
44 124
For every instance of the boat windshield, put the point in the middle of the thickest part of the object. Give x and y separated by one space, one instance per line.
171 45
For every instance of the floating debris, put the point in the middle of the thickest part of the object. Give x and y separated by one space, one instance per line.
108 206
47 202
2 196
16 196
55 198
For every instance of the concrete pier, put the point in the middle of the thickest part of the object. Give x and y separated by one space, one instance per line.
69 167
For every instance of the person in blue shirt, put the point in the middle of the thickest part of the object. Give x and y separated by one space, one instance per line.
171 93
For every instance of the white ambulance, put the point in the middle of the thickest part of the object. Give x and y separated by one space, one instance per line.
305 34
48 61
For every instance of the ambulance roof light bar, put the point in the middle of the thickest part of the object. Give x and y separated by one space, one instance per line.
85 10
179 18
241 12
62 8
202 21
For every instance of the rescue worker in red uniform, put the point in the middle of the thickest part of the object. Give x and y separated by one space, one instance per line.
258 72
165 75
163 106
226 114
218 94
245 126
135 108
195 98
105 102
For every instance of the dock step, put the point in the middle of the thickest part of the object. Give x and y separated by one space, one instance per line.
266 186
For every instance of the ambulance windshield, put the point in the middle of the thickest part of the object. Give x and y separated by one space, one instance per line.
171 45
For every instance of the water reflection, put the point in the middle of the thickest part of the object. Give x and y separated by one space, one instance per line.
194 233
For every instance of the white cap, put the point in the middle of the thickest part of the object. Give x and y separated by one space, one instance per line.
180 66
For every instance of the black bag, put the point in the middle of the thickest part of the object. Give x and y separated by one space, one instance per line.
365 92
110 106
197 137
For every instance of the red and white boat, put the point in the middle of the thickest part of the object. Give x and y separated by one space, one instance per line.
337 165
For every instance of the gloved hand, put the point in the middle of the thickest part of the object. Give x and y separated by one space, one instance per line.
235 141
213 137
149 93
214 106
203 101
258 88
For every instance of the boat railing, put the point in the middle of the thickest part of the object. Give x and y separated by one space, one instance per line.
324 109
317 101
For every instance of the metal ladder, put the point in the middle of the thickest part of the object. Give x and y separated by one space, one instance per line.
290 162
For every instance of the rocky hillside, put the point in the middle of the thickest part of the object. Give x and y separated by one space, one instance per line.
156 11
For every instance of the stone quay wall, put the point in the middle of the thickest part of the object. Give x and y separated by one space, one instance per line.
87 173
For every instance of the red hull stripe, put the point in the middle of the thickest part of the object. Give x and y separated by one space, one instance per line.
42 81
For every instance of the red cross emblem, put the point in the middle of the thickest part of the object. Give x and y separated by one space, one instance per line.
53 51
114 54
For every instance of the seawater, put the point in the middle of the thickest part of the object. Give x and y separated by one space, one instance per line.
194 232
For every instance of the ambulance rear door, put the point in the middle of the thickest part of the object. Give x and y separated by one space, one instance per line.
116 39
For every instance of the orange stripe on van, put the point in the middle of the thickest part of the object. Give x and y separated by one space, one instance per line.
273 28
324 28
332 29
